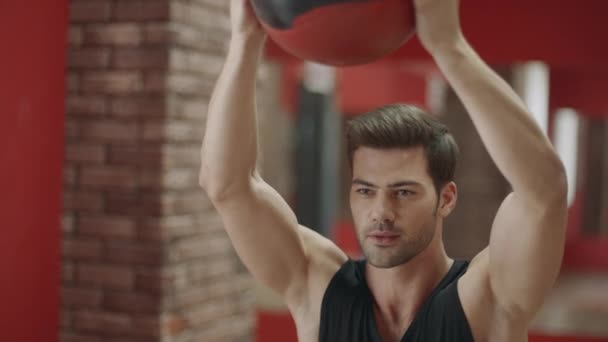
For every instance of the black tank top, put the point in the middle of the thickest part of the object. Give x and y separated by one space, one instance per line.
347 313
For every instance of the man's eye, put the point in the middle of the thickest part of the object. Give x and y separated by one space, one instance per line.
364 191
404 193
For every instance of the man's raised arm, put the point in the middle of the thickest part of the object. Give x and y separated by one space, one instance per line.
261 226
527 239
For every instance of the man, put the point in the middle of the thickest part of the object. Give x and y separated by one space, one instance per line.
407 288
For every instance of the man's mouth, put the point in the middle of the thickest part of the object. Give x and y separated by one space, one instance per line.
383 239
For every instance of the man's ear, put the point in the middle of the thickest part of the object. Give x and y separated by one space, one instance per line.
447 199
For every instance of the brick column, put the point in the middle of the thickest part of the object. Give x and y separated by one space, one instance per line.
145 257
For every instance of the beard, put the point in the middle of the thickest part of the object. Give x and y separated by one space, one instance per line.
408 246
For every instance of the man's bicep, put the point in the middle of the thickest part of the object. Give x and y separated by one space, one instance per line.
264 232
525 252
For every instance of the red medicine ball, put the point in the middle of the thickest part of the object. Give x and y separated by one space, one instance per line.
337 32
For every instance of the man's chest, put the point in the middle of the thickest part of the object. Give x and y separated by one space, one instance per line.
390 329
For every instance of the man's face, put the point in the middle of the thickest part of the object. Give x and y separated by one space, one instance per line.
393 203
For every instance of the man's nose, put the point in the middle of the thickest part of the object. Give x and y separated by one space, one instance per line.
382 210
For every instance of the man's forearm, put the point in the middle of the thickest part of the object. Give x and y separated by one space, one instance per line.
229 149
515 142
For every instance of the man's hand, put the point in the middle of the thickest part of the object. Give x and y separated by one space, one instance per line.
243 19
438 24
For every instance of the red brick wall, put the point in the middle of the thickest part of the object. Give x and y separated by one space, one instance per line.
145 257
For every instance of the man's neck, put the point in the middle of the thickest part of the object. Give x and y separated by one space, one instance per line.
400 291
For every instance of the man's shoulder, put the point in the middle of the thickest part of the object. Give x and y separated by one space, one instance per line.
486 319
324 260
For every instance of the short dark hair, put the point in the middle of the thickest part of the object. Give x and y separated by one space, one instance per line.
405 126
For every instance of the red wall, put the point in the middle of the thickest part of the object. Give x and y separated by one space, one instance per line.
32 73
